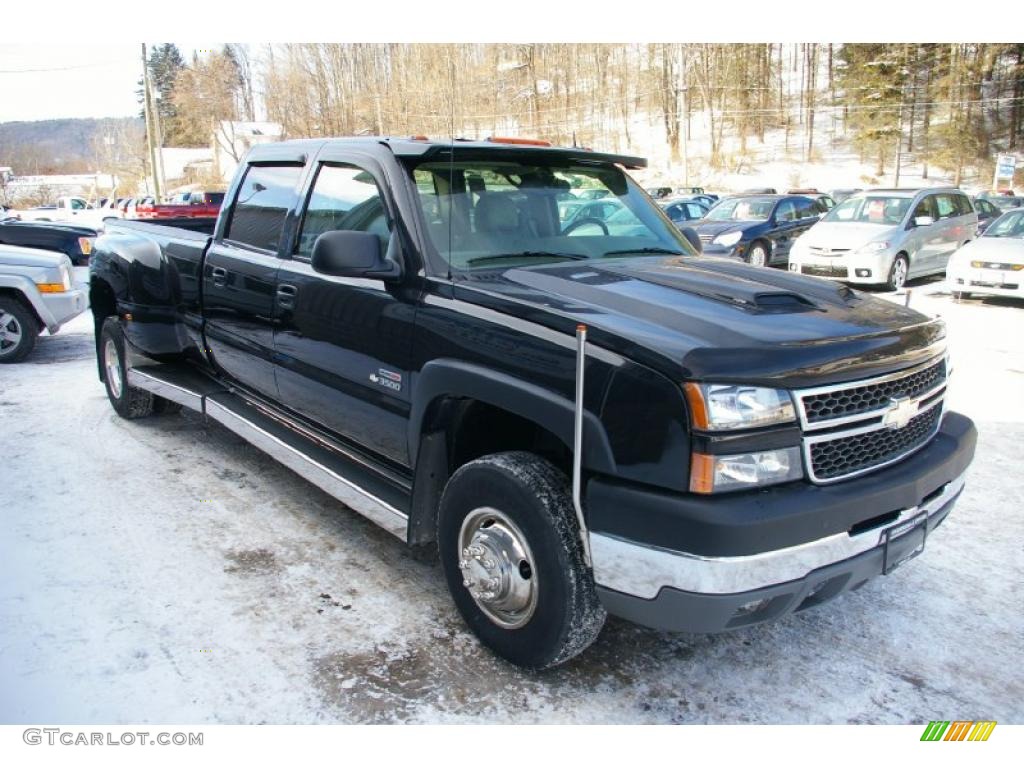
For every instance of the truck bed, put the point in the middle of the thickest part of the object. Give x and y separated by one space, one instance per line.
192 227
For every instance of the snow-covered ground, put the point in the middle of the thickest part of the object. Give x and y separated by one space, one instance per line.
164 571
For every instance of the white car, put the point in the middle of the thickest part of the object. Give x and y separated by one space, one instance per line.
992 265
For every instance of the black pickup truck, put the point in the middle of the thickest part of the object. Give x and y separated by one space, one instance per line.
578 418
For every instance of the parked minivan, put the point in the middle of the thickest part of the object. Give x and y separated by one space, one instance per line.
887 236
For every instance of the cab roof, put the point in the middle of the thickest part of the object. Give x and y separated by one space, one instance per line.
904 192
426 149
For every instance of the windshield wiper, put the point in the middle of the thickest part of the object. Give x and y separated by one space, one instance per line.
627 251
525 255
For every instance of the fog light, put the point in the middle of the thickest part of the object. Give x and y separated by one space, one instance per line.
959 281
794 267
863 273
752 607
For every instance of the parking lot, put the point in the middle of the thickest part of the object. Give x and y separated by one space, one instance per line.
165 571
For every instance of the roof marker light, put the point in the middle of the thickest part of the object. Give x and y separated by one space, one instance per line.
514 140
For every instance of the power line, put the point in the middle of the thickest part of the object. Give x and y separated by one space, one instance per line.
58 69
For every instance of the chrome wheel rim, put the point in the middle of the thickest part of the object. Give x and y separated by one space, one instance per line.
757 256
10 333
497 567
899 273
112 367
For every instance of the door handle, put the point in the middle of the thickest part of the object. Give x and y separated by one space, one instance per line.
220 276
286 295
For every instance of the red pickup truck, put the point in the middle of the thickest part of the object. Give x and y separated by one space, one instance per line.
191 205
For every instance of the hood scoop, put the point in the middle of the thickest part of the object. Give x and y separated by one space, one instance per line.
782 302
739 291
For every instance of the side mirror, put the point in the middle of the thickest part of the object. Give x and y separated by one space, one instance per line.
693 238
344 253
923 221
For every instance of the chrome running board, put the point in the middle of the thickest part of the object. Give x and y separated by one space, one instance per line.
353 485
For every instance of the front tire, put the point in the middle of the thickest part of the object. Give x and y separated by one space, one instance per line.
18 330
758 256
129 402
898 273
509 546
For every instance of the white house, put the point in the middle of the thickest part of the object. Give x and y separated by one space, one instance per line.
232 139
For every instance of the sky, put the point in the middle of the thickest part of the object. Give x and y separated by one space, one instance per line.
45 81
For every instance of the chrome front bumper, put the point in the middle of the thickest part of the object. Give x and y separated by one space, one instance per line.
643 571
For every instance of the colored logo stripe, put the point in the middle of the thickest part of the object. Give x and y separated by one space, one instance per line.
982 730
958 730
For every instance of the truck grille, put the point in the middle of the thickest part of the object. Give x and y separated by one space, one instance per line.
856 427
835 403
845 456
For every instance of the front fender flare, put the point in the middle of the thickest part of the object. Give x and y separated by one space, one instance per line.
548 409
30 292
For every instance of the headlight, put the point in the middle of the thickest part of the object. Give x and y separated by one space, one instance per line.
875 247
728 239
734 406
713 474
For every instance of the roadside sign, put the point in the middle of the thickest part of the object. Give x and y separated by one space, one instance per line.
1005 167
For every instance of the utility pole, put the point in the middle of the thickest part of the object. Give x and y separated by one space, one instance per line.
681 101
683 118
899 142
147 104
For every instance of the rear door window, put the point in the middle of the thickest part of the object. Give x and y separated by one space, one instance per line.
807 209
946 206
264 198
786 211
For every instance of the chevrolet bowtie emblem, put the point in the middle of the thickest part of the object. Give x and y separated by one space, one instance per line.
901 411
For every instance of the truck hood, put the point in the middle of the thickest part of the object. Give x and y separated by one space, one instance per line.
705 318
15 256
844 235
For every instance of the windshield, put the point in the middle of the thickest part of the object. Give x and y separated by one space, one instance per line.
1005 203
490 213
1007 225
870 209
741 209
